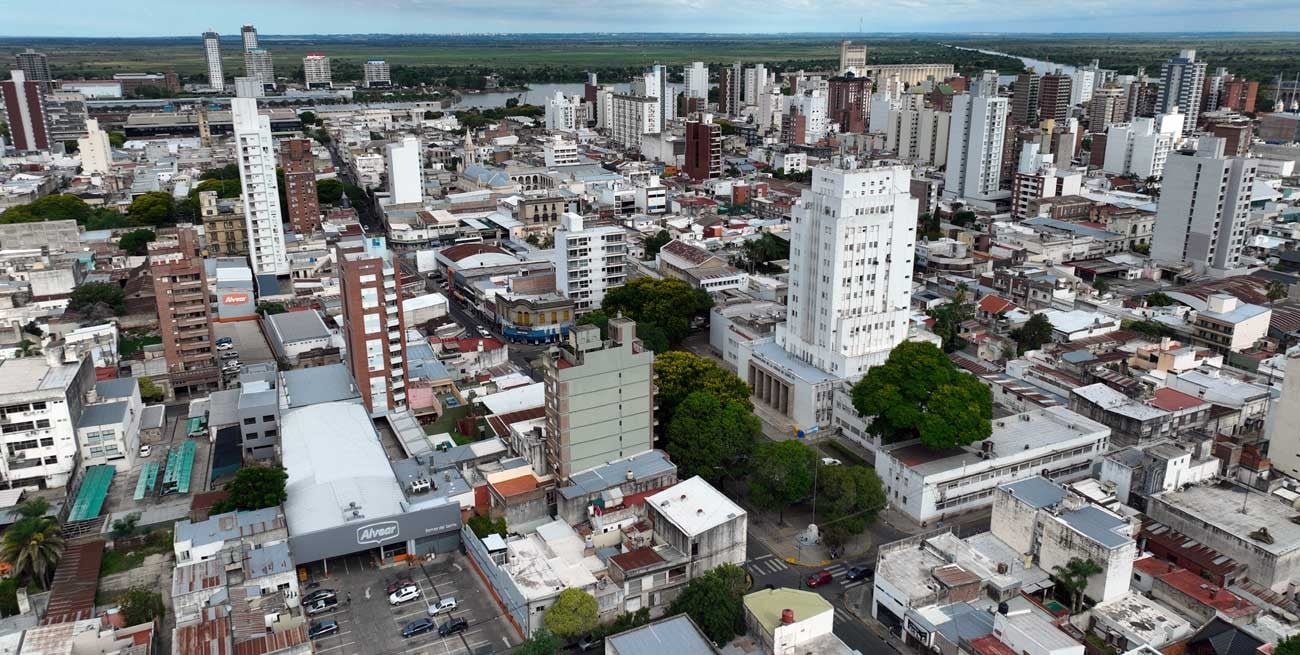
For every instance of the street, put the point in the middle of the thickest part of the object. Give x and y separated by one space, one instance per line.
520 354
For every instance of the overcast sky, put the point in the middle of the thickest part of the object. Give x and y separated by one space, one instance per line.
182 17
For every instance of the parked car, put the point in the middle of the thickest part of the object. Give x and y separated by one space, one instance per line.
398 583
145 450
404 595
319 629
322 605
820 578
417 627
452 627
320 594
225 343
231 366
483 332
445 605
589 643
229 354
831 461
855 573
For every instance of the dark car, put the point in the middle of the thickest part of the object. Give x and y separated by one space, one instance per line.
856 573
319 629
319 594
417 627
452 627
820 578
401 581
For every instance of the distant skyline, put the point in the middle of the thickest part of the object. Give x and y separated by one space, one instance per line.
130 18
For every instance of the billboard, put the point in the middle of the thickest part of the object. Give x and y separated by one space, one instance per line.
364 534
234 298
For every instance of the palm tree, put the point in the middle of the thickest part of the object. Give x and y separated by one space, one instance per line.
1074 577
33 546
1275 291
34 508
27 348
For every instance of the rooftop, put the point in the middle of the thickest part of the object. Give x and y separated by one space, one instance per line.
694 506
1098 525
677 635
1145 620
1220 600
1238 513
1113 401
766 605
1037 492
116 388
231 525
103 414
545 562
642 466
1172 400
319 384
27 375
290 327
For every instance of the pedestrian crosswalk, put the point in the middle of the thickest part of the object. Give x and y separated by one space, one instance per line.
767 565
838 572
842 615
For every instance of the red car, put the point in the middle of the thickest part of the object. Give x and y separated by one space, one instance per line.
819 578
401 581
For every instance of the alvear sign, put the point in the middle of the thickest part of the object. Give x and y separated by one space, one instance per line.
376 533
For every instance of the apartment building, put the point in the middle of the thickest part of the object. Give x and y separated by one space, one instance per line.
316 71
212 54
1182 82
376 73
24 105
589 260
703 148
41 402
299 167
223 225
1141 148
373 328
1204 207
632 118
975 143
260 191
184 316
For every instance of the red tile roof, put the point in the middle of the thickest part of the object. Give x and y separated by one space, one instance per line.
995 304
990 645
1210 595
1153 566
515 486
1173 400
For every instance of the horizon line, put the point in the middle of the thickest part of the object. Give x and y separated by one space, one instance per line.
235 34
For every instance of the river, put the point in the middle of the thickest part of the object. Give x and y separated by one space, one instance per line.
1041 67
536 94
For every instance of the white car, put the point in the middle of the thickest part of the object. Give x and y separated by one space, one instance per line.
831 461
404 595
447 604
225 346
145 450
231 366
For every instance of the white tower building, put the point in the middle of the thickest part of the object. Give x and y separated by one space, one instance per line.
1204 207
212 51
261 193
405 177
95 151
1181 81
562 112
978 125
697 80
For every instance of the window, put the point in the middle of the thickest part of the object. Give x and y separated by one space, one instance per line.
250 420
268 419
53 459
47 441
42 423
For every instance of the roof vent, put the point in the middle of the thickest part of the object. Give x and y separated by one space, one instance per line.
787 616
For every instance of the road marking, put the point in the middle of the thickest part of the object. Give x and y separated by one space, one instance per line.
850 585
343 645
843 615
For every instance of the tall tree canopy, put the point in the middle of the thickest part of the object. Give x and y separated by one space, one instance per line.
919 393
678 374
781 474
715 601
708 435
254 487
573 614
669 305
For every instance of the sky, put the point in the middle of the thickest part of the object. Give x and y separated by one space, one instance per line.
97 18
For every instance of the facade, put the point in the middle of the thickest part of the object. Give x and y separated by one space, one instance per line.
41 402
1284 439
701 523
928 486
729 92
599 399
703 148
811 107
909 73
697 80
299 167
249 87
1054 97
1106 107
919 134
377 73
1229 325
632 118
212 53
373 328
223 225
260 192
562 112
559 151
1204 207
24 104
1182 81
257 65
1140 148
405 171
589 260
975 144
853 58
180 285
66 115
847 102
1024 102
316 71
94 149
108 431
34 65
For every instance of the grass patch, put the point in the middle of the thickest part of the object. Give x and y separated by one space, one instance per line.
130 344
447 423
1099 644
116 561
843 453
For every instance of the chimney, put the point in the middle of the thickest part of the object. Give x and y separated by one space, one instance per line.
787 616
1214 591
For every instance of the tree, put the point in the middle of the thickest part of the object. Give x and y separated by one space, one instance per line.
1074 577
1288 646
116 139
848 497
329 192
678 374
1159 299
149 390
541 643
668 304
125 527
511 103
654 243
254 487
1101 285
140 605
1153 329
781 474
308 119
88 298
963 218
715 601
136 242
1275 291
33 546
153 208
322 137
708 434
572 615
919 393
225 188
757 255
1033 334
266 308
28 348
56 207
35 508
949 317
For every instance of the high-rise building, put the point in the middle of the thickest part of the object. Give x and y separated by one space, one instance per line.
653 83
316 71
729 90
559 151
370 294
599 399
1140 96
696 77
35 65
212 53
1181 81
405 171
95 151
261 193
794 127
853 59
562 112
43 399
300 184
1082 84
29 127
1284 439
65 114
589 260
249 35
1204 207
180 285
703 148
1141 148
847 102
1036 178
917 133
257 63
632 118
852 241
975 143
755 84
1054 97
1106 107
377 73
810 104
1024 99
249 87
1239 94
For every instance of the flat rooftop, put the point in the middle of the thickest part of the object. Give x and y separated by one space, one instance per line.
694 506
766 605
1222 505
33 374
1145 619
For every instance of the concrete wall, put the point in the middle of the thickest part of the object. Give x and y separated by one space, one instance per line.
502 587
1013 521
1059 544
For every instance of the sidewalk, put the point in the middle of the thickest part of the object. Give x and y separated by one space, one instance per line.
782 539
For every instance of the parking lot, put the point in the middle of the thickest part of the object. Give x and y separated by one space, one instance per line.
368 624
